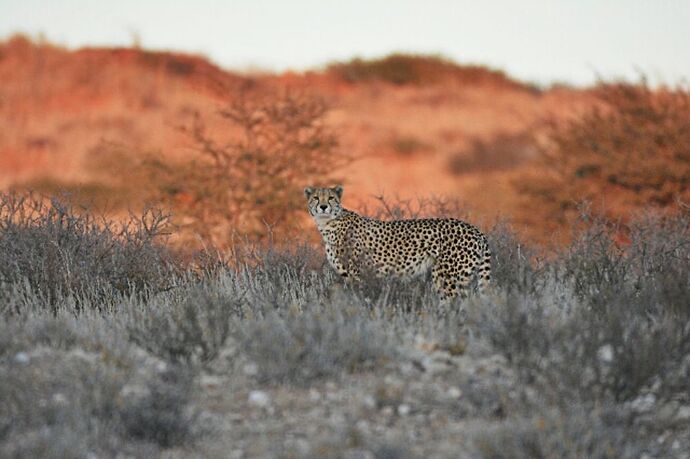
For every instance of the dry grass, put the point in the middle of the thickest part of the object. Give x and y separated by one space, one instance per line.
59 251
594 341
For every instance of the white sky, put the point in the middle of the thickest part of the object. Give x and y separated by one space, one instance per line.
535 40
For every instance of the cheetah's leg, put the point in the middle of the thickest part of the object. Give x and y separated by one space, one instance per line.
349 273
449 287
352 274
484 271
347 267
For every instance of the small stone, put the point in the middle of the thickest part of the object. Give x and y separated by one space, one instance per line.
387 411
643 403
369 402
683 413
605 353
357 454
22 358
403 409
59 398
454 392
251 369
259 398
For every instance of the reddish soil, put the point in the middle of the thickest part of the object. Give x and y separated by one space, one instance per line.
71 116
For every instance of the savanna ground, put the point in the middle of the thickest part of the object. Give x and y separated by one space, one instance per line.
109 346
218 330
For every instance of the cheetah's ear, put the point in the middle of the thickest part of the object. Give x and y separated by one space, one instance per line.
338 191
308 191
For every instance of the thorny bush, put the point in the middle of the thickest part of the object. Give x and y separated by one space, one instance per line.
61 251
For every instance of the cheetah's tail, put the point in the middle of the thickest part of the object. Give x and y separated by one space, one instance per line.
484 269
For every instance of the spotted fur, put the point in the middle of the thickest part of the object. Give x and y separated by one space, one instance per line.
453 250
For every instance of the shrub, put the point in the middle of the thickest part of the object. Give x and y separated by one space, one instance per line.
317 343
190 327
631 147
92 394
515 267
93 195
598 329
162 414
502 152
573 434
60 252
250 182
579 351
409 145
395 208
411 69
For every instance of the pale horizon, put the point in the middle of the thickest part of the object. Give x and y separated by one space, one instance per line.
537 41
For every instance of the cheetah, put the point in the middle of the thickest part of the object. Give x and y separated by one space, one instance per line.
453 250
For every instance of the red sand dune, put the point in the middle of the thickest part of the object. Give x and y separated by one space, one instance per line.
64 111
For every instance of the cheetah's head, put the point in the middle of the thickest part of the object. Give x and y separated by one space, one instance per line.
324 203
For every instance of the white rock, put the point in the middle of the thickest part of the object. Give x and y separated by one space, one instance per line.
454 392
22 358
605 353
683 413
259 398
369 402
59 398
357 454
643 403
251 369
403 409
